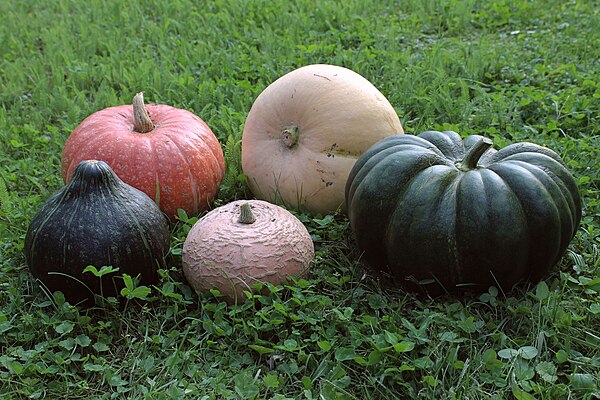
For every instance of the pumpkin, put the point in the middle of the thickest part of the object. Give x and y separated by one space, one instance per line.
242 243
305 131
98 220
450 215
168 153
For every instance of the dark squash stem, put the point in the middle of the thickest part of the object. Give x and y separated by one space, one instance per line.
472 158
246 215
141 119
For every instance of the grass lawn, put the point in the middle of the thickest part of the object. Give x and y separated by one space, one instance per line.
520 70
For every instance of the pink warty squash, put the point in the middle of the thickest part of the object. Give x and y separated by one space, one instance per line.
244 242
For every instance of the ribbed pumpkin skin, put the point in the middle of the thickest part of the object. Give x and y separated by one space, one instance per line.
418 216
180 159
96 219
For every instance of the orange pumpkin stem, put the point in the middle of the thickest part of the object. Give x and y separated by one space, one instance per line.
246 215
141 119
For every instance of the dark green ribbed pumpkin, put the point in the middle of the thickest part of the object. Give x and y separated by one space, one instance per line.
456 215
98 220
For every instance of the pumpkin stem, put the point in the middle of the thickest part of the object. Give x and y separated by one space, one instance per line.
141 119
289 136
246 215
474 154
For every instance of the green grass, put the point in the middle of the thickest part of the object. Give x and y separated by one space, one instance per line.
523 70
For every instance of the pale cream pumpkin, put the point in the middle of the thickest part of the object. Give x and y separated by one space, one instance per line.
305 131
242 243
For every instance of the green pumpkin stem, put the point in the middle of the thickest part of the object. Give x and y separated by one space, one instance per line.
474 154
246 215
141 119
289 136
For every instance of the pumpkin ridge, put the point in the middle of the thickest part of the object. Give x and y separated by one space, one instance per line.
364 171
374 152
446 198
417 226
201 137
528 155
196 141
365 186
449 144
410 140
51 204
185 159
490 209
459 241
558 173
554 189
568 187
137 156
140 230
121 115
456 265
215 161
524 188
129 211
526 147
424 158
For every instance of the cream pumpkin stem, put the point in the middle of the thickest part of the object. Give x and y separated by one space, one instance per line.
289 136
141 119
474 154
246 215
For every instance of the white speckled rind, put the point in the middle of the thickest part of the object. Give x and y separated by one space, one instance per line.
222 253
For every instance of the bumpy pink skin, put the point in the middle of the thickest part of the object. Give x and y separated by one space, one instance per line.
222 253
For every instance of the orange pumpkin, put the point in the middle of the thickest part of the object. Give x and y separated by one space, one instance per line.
168 153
